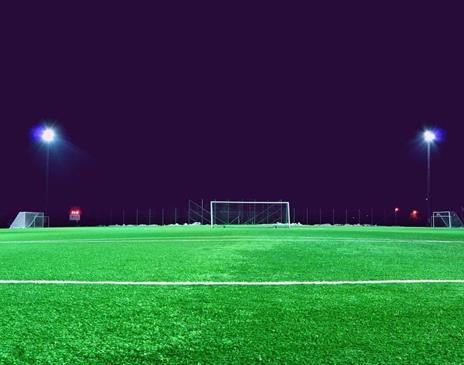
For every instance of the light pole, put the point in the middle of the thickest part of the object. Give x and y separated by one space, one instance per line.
397 210
47 136
429 138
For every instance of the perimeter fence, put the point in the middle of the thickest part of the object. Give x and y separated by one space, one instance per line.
197 212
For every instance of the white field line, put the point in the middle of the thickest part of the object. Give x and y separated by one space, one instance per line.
212 239
228 283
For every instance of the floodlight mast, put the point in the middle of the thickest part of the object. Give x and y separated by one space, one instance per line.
47 177
429 138
48 136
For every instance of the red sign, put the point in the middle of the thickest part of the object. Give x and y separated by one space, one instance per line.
75 215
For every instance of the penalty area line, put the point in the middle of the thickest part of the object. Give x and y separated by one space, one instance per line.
230 283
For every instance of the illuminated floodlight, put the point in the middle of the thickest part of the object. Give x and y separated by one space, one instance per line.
48 135
429 136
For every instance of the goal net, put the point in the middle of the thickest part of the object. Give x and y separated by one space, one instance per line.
30 220
250 213
447 219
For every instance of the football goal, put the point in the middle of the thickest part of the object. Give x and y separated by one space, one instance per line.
447 219
30 220
250 213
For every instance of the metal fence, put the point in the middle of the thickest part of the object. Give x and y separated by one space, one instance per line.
198 212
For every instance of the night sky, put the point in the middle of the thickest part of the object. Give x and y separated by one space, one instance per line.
320 105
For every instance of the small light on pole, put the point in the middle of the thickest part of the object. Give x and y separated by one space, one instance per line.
414 215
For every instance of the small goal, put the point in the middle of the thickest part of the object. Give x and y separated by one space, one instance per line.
270 213
30 220
446 219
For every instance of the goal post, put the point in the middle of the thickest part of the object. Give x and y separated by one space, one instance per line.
446 219
30 220
225 212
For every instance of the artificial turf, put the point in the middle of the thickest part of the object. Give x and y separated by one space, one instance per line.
382 324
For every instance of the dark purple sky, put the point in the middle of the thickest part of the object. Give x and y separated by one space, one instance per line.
320 105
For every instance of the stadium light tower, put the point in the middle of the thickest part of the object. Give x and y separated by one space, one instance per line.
429 138
47 136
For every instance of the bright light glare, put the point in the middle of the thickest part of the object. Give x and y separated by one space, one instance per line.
429 136
48 135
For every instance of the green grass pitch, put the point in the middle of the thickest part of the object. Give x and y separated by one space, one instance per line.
348 324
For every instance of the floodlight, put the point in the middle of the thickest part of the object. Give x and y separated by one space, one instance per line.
429 136
48 135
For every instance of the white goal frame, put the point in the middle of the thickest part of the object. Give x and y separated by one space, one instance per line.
443 215
30 220
286 204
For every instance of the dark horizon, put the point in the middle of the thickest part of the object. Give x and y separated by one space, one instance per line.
320 106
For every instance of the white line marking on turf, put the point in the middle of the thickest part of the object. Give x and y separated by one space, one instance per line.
231 283
244 239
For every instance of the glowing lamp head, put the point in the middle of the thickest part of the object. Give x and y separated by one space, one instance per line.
48 135
429 136
397 210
